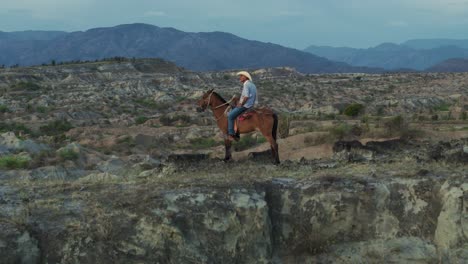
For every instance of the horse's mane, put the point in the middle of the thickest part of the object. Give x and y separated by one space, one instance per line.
219 97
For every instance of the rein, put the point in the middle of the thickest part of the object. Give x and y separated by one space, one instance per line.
216 107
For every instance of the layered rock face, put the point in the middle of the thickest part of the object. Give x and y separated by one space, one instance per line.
324 220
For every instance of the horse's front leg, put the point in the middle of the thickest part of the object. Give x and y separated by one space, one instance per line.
227 145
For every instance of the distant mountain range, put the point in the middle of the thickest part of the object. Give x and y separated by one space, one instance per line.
450 65
435 43
194 51
413 54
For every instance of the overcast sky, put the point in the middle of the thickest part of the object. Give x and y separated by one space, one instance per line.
292 23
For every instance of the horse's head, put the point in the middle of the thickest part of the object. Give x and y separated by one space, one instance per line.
204 101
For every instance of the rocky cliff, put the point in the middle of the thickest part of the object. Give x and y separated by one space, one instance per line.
325 220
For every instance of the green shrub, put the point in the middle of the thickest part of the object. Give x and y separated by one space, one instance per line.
4 109
27 86
13 127
395 126
42 109
464 116
345 131
340 131
330 116
353 109
12 162
141 120
183 118
442 107
380 111
203 143
165 120
152 104
68 154
126 140
56 127
247 142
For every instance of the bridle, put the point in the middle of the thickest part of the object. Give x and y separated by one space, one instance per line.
216 107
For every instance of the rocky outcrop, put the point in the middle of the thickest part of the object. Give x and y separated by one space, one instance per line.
454 151
451 235
323 220
10 143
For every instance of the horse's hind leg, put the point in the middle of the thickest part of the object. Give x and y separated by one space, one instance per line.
274 149
227 146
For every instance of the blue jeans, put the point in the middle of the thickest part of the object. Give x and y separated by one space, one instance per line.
233 114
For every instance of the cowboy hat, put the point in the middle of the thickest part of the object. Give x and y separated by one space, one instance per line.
246 74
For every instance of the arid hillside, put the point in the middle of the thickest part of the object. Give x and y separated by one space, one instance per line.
109 162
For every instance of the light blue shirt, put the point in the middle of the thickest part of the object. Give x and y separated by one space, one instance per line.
250 91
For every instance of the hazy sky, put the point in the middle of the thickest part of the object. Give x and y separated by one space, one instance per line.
292 23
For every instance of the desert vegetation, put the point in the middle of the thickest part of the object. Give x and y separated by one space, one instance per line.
113 155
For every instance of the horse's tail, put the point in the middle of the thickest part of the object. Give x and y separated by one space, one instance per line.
275 125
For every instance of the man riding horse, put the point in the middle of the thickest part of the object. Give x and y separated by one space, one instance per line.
262 119
247 100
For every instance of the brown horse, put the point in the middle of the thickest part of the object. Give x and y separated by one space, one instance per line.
263 120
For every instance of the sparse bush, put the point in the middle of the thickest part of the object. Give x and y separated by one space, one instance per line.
380 111
13 127
152 104
27 86
283 125
4 109
42 109
442 107
420 118
464 116
12 162
353 109
29 107
261 140
340 131
395 126
68 154
245 142
184 118
330 116
141 120
59 139
42 159
126 140
203 143
344 130
365 119
56 127
165 120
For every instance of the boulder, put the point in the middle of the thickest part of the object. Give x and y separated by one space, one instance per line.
9 142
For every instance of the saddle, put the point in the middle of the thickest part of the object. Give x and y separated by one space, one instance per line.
247 114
